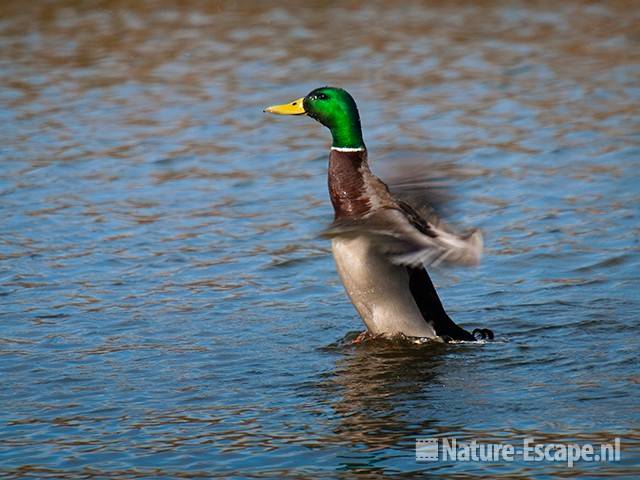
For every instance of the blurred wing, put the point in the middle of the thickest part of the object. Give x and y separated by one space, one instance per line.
408 239
425 196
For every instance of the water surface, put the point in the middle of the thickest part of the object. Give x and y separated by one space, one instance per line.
168 309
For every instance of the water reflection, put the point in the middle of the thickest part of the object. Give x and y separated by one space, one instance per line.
389 394
374 379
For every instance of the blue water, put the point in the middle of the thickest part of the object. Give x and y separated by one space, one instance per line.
168 307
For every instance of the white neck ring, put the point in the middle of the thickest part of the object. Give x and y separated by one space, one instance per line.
348 149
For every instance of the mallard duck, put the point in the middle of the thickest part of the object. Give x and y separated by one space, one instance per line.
381 244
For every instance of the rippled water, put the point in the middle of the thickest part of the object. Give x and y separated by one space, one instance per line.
168 309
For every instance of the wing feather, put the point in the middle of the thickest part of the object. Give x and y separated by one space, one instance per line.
409 239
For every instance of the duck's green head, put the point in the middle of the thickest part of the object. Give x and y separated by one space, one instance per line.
334 108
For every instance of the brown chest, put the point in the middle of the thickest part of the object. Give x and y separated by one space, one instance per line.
347 190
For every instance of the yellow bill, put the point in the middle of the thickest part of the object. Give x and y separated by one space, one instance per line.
293 108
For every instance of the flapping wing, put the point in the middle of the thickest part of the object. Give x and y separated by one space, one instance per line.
409 239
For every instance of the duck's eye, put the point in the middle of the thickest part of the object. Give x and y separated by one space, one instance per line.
321 96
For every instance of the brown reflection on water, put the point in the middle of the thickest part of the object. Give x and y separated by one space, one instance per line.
391 394
550 63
